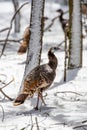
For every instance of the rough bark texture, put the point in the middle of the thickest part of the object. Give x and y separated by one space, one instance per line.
35 38
75 47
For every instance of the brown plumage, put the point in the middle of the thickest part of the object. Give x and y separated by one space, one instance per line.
64 22
84 8
22 49
24 45
39 79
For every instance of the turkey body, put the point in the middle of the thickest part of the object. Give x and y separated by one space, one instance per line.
38 80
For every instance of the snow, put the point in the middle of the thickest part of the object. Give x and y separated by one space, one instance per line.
66 102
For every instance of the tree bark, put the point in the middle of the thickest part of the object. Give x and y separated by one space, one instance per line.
17 18
75 42
35 38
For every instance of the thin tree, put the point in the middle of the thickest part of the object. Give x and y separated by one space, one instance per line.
17 17
36 35
75 42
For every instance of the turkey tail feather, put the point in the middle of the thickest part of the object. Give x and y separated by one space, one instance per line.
20 99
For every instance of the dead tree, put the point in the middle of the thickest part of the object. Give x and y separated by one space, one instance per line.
17 17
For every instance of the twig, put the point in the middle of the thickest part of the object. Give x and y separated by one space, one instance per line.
61 43
3 82
6 95
2 112
53 20
37 123
11 40
79 126
62 123
50 25
5 29
84 121
69 92
11 28
8 83
4 87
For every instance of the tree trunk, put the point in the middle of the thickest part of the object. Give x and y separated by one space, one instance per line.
17 18
35 38
75 42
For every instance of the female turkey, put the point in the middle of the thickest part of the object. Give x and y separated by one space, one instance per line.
39 79
64 22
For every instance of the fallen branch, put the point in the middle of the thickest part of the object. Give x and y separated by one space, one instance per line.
11 28
69 92
2 112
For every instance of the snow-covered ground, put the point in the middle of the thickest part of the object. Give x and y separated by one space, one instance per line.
66 101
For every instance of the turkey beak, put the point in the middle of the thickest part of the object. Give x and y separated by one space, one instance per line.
57 48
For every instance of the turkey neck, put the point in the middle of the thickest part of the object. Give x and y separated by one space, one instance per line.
52 60
61 16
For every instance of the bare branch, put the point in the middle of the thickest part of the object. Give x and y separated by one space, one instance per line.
2 82
8 83
4 92
84 121
69 92
79 126
52 22
11 28
61 43
11 40
5 29
6 95
50 25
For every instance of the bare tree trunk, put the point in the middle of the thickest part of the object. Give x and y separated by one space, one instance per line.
17 18
35 38
75 47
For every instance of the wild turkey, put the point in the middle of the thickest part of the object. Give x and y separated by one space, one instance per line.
24 44
39 79
64 22
22 49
